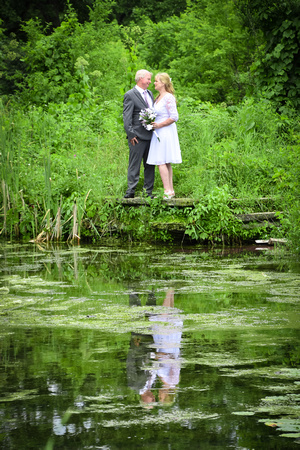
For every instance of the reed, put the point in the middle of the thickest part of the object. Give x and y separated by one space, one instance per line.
57 234
79 209
75 225
242 148
9 163
4 207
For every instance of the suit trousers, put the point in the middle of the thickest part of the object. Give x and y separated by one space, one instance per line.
137 154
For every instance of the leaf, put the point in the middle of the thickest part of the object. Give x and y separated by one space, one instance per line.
252 125
291 435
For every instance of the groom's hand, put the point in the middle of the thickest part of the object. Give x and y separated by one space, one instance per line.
134 141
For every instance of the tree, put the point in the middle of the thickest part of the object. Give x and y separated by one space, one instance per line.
10 56
71 61
206 49
14 12
277 64
127 11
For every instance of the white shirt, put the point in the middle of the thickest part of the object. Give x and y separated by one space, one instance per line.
141 91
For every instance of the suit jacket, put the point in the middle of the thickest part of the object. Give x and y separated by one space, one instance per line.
132 105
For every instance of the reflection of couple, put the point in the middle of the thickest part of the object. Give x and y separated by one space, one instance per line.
144 145
146 368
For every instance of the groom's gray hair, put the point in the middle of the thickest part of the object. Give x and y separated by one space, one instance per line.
141 74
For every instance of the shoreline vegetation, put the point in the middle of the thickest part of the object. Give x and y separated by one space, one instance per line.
64 152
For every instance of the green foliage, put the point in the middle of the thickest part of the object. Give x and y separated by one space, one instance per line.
287 182
74 60
10 54
276 67
133 223
208 47
128 11
75 153
212 218
237 146
206 50
101 10
130 37
64 153
48 12
63 144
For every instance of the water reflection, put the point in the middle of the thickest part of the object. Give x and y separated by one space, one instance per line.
155 374
65 353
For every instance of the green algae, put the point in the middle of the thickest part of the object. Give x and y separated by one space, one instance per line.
281 404
87 313
108 405
25 394
223 359
279 372
285 408
240 327
288 424
164 418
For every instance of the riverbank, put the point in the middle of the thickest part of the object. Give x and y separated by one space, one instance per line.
62 176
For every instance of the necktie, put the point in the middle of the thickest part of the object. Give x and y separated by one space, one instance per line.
146 100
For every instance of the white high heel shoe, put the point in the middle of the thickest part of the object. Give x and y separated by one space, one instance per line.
169 195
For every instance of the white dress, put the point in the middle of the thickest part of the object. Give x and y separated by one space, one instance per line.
167 341
167 150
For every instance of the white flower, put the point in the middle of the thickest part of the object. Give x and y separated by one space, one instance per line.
147 116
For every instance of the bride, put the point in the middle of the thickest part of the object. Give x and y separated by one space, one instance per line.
166 149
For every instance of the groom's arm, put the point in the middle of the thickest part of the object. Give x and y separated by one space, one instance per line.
128 108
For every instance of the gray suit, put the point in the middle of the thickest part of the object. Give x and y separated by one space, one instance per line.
132 105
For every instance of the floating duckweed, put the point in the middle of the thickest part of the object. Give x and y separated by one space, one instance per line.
290 425
25 394
180 417
79 324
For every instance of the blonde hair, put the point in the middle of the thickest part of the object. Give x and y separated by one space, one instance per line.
166 80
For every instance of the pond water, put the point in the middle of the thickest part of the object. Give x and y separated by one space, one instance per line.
107 347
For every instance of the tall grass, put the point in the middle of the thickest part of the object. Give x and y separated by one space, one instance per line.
59 164
238 147
10 174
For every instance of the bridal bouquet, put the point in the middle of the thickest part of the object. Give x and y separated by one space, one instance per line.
147 116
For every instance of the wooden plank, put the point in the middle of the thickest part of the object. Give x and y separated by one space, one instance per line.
140 201
257 217
271 241
258 200
177 201
263 224
250 220
168 226
136 201
180 226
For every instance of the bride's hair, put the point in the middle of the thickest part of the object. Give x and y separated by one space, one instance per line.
166 80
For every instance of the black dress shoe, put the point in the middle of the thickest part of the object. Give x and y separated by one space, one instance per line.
129 196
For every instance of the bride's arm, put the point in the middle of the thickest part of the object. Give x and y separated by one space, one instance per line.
165 123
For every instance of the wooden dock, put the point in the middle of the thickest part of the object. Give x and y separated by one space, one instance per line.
259 217
141 201
177 226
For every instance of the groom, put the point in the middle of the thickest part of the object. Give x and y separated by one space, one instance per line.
138 137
